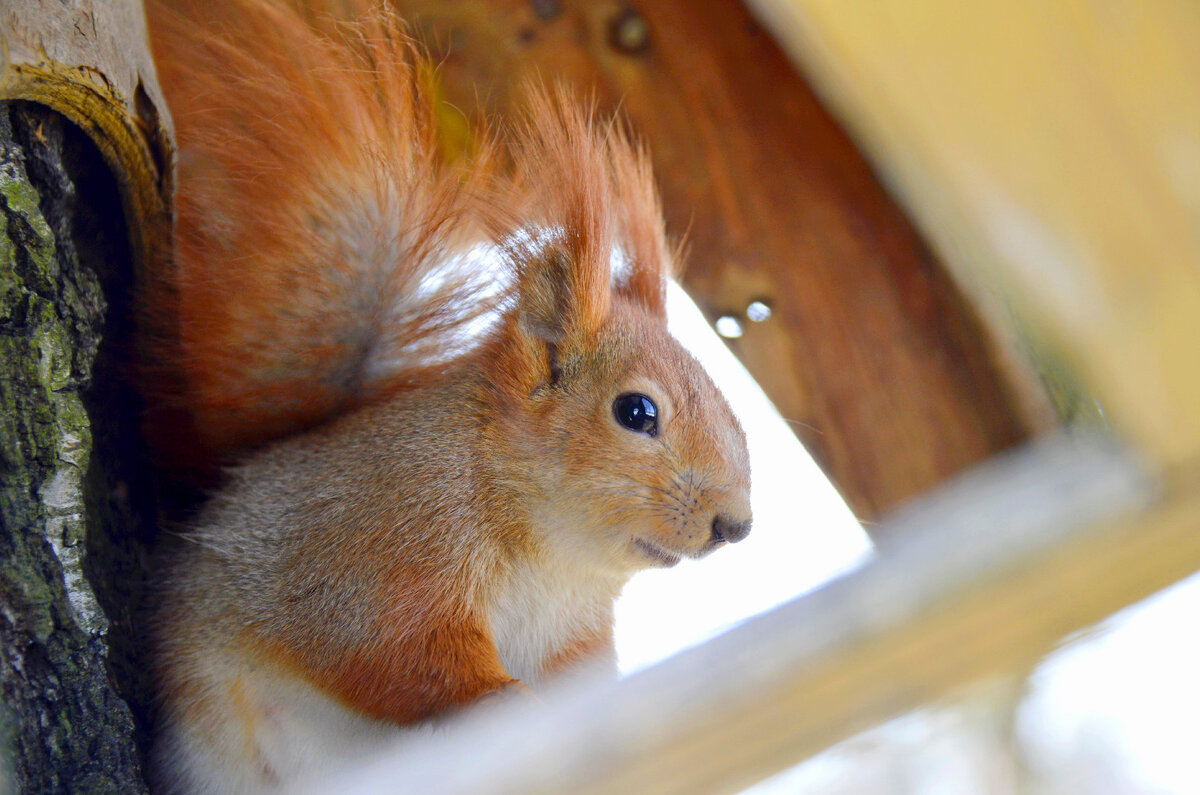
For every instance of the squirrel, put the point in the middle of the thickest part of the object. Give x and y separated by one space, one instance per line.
449 418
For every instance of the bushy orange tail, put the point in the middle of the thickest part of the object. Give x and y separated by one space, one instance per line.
317 228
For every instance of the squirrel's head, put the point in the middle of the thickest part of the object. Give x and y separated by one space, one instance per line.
635 458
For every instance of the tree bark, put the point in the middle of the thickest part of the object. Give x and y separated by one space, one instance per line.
73 501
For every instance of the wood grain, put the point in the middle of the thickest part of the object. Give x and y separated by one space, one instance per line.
870 354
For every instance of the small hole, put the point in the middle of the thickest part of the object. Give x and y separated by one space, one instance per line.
729 327
629 32
547 10
758 311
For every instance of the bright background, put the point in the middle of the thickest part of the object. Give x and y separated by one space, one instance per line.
803 532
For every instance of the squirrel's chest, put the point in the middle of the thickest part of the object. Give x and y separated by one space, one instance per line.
542 620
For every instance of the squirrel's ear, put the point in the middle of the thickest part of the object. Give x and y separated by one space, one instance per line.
562 298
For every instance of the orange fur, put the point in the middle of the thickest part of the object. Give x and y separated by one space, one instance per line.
414 522
303 150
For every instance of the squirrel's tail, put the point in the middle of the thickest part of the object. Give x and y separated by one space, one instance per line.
320 218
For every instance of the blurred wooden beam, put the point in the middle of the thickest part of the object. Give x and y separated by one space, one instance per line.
871 354
1052 152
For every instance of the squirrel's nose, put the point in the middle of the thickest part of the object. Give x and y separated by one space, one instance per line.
725 528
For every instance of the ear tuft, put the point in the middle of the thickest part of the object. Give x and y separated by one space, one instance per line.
563 186
588 195
640 226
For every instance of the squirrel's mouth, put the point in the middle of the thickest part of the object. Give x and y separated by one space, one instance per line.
658 555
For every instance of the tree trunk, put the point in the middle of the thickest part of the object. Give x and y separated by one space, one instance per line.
74 500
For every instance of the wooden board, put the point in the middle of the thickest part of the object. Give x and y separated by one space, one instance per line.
1051 151
870 353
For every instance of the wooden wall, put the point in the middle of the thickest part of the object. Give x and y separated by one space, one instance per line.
870 353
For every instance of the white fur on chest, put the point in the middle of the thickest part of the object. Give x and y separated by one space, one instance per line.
540 611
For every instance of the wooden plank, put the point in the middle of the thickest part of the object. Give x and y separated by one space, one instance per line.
985 576
1051 152
870 352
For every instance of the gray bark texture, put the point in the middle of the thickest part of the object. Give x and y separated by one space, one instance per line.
75 508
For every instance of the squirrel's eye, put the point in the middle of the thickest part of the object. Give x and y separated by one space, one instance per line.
637 413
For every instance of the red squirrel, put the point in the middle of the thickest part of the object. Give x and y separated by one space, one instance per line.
452 420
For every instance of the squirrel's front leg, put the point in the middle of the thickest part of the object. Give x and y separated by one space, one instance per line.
414 676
